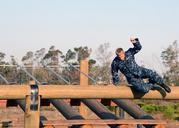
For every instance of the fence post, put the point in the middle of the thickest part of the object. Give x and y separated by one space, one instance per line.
32 110
83 82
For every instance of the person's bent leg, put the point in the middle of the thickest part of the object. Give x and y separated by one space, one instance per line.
154 78
140 85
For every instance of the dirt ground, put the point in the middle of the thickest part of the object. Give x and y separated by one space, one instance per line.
16 115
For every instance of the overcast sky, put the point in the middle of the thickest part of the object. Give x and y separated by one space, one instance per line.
34 24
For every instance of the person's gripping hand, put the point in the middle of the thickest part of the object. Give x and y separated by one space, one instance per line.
134 40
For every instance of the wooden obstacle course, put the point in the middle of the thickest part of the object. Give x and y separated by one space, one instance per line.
82 91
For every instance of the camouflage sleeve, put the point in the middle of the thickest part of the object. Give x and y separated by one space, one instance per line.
137 47
114 72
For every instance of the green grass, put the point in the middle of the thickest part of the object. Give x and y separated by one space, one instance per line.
170 111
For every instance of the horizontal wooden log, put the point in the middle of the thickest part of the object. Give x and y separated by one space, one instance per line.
78 92
106 92
14 91
101 122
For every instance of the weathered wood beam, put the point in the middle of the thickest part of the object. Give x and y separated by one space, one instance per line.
79 92
102 122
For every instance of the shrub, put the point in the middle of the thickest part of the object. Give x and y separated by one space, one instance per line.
149 108
169 111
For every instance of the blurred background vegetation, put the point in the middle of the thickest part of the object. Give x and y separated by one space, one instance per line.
65 64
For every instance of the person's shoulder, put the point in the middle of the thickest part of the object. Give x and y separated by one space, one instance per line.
115 59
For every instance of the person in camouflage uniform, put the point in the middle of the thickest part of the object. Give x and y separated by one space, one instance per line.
125 62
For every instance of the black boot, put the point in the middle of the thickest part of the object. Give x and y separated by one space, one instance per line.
167 88
160 89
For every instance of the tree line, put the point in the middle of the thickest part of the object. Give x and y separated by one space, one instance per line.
66 65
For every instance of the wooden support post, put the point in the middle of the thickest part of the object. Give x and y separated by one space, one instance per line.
83 82
32 111
3 103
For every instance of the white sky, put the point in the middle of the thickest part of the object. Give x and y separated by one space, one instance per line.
31 25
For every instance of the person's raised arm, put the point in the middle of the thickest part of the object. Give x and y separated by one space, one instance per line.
114 72
137 46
